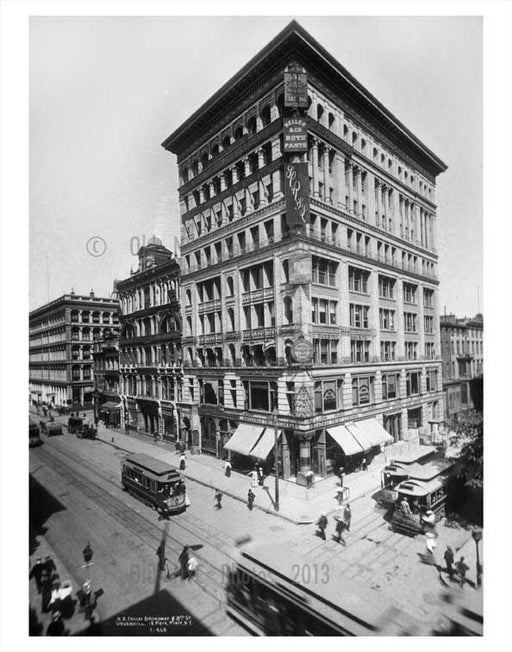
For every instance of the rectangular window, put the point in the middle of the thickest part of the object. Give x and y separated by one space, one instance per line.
324 271
411 351
358 280
387 351
261 395
232 391
431 380
410 322
386 287
360 350
327 395
387 319
362 390
413 383
390 385
410 292
429 324
359 316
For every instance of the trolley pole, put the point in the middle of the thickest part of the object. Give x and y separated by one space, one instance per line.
276 460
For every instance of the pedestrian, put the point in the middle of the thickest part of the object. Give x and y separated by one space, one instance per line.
431 546
449 559
56 627
191 567
160 553
46 590
96 421
254 478
250 499
404 505
340 527
309 479
261 477
347 516
55 597
339 495
341 475
49 565
227 468
183 561
36 572
182 461
462 569
322 524
364 464
218 498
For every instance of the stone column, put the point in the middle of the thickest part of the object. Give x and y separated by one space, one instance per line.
378 188
319 455
285 456
374 307
326 175
340 178
314 167
370 190
261 160
400 318
350 187
359 193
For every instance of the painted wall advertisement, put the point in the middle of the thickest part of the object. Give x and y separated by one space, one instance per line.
295 135
296 184
295 89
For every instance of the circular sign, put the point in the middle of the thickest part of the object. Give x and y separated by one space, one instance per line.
302 351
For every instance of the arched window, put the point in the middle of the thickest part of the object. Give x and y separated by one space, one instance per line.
331 120
319 112
195 168
251 126
215 150
286 271
239 132
363 145
288 310
266 116
231 289
188 296
280 104
226 142
354 138
232 354
231 319
189 325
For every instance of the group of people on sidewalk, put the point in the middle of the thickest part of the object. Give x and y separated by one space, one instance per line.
456 570
342 518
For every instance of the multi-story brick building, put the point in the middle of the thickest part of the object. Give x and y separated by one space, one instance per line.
462 350
61 334
149 344
107 401
308 308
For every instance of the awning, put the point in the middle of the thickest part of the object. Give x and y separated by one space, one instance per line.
110 405
244 438
360 436
374 431
345 440
265 444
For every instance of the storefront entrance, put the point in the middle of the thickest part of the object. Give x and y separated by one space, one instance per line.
393 424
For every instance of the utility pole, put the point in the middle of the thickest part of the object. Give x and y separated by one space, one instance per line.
276 460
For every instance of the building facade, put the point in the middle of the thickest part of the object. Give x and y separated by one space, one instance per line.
462 349
309 283
62 335
149 344
107 400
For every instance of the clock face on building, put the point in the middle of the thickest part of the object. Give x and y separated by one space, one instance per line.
295 89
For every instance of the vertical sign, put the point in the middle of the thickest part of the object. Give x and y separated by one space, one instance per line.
295 132
296 184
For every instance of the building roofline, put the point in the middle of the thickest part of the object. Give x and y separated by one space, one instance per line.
69 298
295 35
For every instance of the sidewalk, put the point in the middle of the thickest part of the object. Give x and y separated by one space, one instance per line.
296 504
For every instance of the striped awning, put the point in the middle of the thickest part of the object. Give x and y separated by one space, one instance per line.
244 439
374 432
345 440
360 436
265 444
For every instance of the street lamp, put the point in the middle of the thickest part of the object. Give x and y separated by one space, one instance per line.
276 460
477 537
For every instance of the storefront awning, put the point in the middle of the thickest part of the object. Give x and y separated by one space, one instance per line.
265 444
374 432
244 439
345 440
360 436
110 405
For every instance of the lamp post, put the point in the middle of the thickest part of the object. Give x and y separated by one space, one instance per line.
276 460
477 537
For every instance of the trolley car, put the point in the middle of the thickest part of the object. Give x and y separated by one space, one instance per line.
154 482
273 592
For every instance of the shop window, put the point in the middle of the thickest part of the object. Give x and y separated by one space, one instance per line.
363 390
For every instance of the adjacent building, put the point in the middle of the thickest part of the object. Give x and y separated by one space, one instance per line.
107 400
309 267
149 343
61 339
462 352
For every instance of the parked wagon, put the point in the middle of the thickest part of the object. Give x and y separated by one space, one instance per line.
50 428
74 425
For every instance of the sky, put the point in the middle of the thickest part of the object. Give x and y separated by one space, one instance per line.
106 91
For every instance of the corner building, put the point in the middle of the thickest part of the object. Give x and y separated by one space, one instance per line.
310 307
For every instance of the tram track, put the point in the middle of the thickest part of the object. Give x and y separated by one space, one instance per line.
139 526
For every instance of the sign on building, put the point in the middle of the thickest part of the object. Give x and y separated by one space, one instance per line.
296 184
295 89
295 135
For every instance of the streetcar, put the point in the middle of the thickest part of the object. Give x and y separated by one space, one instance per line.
154 482
272 591
34 434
